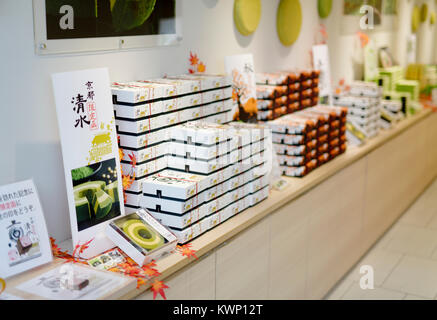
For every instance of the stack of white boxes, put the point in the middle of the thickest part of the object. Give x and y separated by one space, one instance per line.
363 101
391 113
215 172
146 110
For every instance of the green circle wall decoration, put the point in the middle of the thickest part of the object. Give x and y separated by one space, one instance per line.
432 18
289 21
247 14
324 8
415 19
424 12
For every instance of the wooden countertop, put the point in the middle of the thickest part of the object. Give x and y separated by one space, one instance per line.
296 187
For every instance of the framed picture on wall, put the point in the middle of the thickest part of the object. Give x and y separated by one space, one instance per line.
359 12
69 26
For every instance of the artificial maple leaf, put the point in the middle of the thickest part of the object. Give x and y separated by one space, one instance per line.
120 154
194 60
133 160
234 95
187 251
141 282
2 285
201 67
150 271
127 182
364 38
57 252
129 269
191 71
158 287
85 246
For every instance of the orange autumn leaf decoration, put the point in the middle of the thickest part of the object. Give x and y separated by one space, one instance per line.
57 252
158 288
364 38
127 179
196 66
128 268
2 285
194 60
150 271
79 249
187 251
75 257
201 67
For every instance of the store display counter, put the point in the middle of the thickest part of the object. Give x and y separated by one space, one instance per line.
301 241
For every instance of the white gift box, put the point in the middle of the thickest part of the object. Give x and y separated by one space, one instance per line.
141 237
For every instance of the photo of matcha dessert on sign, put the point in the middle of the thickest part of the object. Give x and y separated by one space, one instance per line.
96 194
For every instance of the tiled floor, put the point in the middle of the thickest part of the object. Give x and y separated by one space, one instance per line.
404 261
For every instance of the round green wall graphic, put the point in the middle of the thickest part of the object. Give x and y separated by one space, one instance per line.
415 19
432 18
424 12
289 21
324 7
247 14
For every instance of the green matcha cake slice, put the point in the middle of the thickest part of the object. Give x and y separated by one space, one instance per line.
82 209
112 190
102 204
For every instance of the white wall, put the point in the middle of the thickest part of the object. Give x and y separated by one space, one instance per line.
28 125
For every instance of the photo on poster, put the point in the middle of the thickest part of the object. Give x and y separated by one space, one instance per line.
23 241
72 19
96 194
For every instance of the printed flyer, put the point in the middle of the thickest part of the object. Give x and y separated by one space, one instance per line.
241 69
24 241
90 153
321 62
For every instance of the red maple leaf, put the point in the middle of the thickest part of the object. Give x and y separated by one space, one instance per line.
191 71
194 60
133 159
186 251
57 252
150 271
158 287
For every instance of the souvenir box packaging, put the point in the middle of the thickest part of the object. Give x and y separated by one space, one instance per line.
139 111
216 95
207 81
141 237
179 205
201 166
147 153
179 87
200 151
365 89
137 142
132 93
147 168
182 221
202 133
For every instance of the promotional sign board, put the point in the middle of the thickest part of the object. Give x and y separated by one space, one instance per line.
242 70
90 152
24 241
321 63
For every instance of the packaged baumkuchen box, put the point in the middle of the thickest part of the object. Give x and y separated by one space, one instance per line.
141 237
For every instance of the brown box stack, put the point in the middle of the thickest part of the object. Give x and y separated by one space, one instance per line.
309 138
286 92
